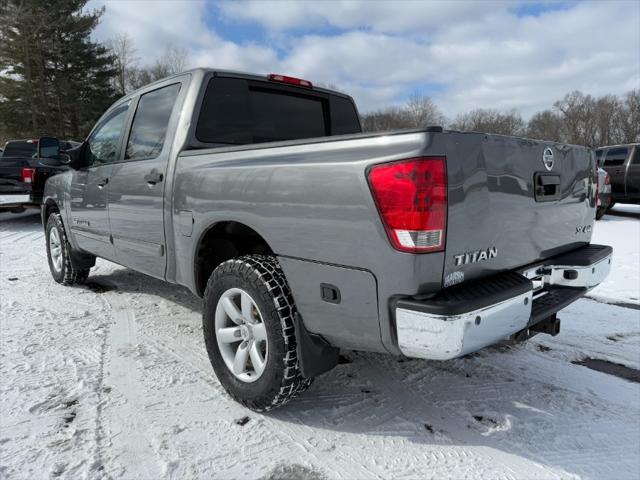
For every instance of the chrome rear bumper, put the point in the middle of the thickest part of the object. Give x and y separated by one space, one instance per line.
466 318
576 276
8 200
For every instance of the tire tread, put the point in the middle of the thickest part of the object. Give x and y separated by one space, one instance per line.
71 276
264 270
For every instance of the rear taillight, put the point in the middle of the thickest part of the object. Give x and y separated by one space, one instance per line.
28 175
411 196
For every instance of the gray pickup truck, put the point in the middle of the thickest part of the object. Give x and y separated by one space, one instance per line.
306 236
622 163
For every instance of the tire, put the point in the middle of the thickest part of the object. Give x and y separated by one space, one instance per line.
262 280
600 212
61 269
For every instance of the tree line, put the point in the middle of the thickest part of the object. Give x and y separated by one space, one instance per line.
577 118
55 80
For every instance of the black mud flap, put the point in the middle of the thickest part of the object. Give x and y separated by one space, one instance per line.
81 260
315 354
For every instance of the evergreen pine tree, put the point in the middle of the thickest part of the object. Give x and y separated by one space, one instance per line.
55 80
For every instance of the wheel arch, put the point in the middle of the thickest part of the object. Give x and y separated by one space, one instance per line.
222 241
48 207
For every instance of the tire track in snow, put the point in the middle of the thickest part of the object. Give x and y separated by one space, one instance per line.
122 420
288 435
449 451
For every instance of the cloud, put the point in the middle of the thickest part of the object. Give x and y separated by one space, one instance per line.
466 55
387 17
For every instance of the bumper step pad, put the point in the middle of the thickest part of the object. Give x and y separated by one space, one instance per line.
470 296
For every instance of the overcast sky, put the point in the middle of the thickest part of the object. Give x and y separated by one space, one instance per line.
464 54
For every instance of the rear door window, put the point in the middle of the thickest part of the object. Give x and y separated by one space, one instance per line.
616 156
150 123
237 112
344 118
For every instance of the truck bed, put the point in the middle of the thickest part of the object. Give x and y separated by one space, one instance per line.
311 201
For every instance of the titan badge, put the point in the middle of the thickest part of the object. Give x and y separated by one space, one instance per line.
475 257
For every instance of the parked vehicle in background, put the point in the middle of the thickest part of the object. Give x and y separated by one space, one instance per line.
622 163
22 176
305 236
604 193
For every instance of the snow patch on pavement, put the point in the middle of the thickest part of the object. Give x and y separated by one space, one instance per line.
113 381
620 229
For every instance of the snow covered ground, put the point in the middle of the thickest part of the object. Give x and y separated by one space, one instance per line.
112 381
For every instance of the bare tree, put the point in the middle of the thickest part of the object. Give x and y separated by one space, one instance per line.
418 112
578 112
125 62
546 125
629 119
607 120
422 112
490 121
392 118
173 60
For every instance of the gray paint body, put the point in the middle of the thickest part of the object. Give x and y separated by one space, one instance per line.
311 202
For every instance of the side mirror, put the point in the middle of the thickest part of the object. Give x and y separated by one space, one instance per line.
48 147
49 152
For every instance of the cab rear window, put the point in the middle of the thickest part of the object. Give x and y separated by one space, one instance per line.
238 112
21 148
616 156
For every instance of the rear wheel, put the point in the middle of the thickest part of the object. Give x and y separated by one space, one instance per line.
249 332
59 254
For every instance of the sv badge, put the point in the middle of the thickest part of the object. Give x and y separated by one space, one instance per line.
583 229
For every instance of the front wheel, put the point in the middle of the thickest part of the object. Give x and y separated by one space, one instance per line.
59 254
249 332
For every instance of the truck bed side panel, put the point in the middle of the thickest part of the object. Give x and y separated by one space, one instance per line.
310 202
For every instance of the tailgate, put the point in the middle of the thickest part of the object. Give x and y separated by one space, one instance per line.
11 175
509 206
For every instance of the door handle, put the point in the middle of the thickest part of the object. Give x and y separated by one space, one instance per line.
547 187
102 183
153 177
